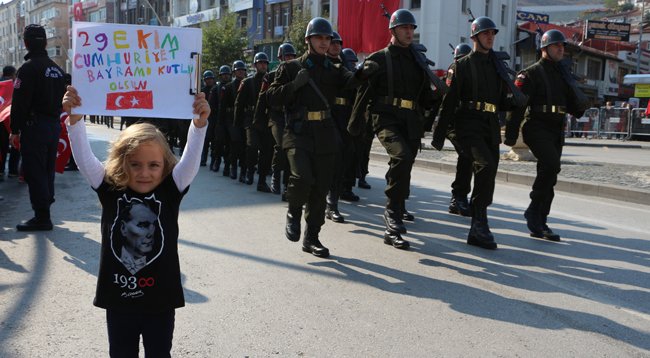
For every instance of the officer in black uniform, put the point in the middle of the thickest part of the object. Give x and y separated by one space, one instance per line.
208 83
221 146
344 174
226 117
35 123
462 184
551 96
476 94
306 87
396 93
259 146
273 118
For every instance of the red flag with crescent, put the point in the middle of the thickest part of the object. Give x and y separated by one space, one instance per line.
63 151
78 11
129 100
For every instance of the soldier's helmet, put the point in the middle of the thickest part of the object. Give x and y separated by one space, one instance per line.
260 57
208 74
286 49
337 37
350 55
402 17
552 37
239 65
319 26
225 70
462 50
481 24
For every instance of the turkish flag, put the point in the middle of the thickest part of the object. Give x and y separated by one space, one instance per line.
6 92
647 110
129 100
63 151
362 24
78 12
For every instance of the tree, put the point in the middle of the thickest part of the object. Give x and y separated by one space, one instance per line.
611 4
299 22
223 42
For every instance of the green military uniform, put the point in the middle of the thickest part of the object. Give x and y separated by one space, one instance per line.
274 118
226 118
396 94
247 97
310 137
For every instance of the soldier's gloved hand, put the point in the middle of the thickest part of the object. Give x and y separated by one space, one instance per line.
367 68
301 79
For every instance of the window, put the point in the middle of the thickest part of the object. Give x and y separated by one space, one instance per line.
593 69
285 16
487 8
243 22
415 4
504 15
54 51
325 8
259 21
463 6
463 39
276 17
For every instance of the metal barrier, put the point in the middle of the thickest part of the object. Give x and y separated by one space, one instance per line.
585 126
639 123
614 122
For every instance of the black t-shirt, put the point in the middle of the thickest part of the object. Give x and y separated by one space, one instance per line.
139 270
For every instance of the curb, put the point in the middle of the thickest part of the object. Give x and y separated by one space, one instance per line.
613 145
613 192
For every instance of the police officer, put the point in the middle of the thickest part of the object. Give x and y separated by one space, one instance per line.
344 174
306 87
396 93
35 113
221 146
208 83
547 83
226 117
476 94
273 117
461 186
259 148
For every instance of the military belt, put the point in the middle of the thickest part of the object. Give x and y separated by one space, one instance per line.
318 115
548 109
479 106
341 101
399 103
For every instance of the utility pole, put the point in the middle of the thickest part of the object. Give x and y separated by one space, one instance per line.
638 47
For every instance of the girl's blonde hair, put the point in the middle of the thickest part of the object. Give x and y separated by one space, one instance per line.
130 139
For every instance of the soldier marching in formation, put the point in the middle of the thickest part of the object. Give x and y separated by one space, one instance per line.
310 123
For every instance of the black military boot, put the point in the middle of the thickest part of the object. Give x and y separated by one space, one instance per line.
226 169
242 175
458 205
349 195
215 164
276 183
233 171
479 234
395 239
393 218
261 184
405 214
250 176
292 229
332 213
311 244
362 183
547 232
534 220
40 222
284 194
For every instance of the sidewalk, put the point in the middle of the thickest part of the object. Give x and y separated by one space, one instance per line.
609 169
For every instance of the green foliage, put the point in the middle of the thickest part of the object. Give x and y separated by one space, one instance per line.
223 42
611 4
625 7
299 22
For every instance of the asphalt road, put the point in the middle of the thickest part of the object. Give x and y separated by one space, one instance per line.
250 292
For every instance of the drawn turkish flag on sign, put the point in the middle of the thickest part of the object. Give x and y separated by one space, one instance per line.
128 100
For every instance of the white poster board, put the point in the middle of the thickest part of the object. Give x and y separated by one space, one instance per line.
135 70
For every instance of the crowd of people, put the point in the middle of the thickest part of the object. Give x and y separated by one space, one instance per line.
308 126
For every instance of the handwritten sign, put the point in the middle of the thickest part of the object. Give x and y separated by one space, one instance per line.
135 71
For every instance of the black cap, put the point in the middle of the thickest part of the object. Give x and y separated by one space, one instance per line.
34 32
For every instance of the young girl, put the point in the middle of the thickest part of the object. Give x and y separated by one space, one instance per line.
140 189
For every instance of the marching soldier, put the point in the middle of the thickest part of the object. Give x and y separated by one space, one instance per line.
273 117
208 81
462 184
344 175
257 143
477 92
306 87
226 117
395 95
552 93
221 146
